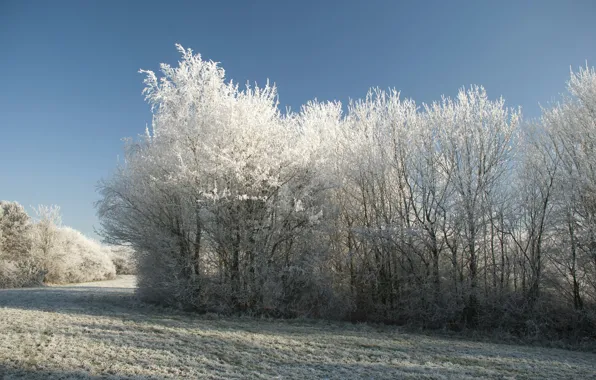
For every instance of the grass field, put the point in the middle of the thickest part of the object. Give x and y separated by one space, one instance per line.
99 330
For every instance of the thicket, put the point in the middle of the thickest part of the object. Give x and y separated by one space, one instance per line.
40 250
453 214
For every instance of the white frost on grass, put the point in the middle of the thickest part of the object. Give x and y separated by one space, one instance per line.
122 281
99 330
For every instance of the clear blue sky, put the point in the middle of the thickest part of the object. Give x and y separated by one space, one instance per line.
69 87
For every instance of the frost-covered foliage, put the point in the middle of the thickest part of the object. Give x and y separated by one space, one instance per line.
15 225
76 258
11 274
218 200
453 213
18 267
570 225
33 252
45 236
123 257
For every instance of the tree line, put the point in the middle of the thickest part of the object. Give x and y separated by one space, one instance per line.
452 214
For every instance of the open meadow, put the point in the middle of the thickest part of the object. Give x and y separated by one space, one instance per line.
99 330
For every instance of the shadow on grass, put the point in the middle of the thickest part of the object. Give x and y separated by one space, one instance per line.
72 300
277 347
293 370
278 350
123 302
10 373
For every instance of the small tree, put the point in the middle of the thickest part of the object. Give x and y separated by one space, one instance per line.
45 234
15 225
15 246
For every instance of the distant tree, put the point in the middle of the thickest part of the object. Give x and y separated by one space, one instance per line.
21 268
15 225
45 235
76 258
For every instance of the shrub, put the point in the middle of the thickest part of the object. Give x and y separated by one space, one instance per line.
18 266
123 258
76 258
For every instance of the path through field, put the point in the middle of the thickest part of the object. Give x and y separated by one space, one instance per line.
100 331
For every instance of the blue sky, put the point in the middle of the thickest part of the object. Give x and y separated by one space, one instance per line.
69 87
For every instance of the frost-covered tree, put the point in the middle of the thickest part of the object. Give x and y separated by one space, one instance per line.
216 191
15 225
417 189
45 234
448 214
123 257
41 250
19 266
534 194
572 127
477 139
76 258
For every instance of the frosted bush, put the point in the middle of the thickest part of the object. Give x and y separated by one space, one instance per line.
9 274
123 258
76 258
18 267
41 251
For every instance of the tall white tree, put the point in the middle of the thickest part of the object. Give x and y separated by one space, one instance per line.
477 138
572 127
206 194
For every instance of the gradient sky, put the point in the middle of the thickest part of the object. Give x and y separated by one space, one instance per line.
69 87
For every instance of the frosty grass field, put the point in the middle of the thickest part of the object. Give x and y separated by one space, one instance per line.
99 330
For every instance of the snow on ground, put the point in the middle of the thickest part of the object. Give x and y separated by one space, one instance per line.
100 331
